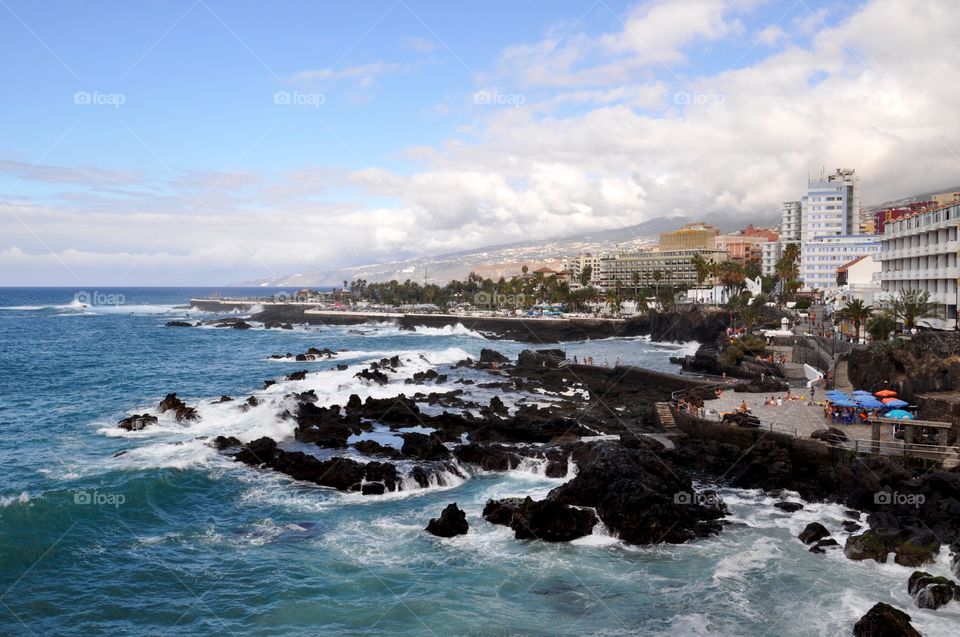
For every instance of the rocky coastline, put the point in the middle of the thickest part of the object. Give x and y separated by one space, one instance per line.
676 326
598 436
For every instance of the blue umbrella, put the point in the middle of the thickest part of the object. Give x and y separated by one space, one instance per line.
861 392
837 392
896 402
842 402
869 402
899 414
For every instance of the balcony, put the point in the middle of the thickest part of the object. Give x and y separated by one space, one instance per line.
933 249
921 274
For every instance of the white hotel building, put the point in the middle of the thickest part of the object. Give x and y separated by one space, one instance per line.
919 252
823 256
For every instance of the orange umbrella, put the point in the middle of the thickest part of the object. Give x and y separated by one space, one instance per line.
886 393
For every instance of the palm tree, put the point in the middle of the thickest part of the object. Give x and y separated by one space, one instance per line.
786 268
656 276
911 306
857 312
702 267
880 327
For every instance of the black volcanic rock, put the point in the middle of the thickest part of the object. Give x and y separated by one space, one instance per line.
488 356
545 520
641 496
137 422
452 521
884 620
813 532
488 457
373 375
789 507
343 474
178 324
932 592
181 411
424 447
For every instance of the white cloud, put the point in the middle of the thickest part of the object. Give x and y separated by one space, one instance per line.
601 141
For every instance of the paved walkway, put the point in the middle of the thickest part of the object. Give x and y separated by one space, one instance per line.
804 419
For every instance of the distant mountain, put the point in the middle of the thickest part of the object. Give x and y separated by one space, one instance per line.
502 260
903 201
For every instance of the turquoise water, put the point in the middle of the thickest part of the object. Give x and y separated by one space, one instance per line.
153 532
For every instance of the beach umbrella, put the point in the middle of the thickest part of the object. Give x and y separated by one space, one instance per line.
899 414
894 402
869 402
842 402
886 393
861 392
837 392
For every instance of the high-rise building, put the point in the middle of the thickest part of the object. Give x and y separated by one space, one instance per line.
831 206
919 252
693 236
791 228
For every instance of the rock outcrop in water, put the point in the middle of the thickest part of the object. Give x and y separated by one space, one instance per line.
929 591
137 422
884 620
452 522
545 520
181 412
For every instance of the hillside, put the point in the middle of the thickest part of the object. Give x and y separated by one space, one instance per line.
494 261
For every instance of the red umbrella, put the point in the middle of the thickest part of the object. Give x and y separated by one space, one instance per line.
886 393
890 399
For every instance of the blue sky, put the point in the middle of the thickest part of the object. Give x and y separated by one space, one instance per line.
424 127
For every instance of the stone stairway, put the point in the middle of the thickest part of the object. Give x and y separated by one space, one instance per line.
665 416
840 379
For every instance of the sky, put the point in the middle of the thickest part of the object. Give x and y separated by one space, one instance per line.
201 142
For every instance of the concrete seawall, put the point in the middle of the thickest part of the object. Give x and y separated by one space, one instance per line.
802 451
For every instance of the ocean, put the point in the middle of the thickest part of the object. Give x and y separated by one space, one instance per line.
104 531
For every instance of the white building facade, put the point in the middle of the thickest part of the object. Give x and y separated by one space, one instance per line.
831 206
919 252
822 256
791 228
770 254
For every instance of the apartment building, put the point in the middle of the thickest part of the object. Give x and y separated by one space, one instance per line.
791 228
823 256
919 252
664 268
946 199
578 265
